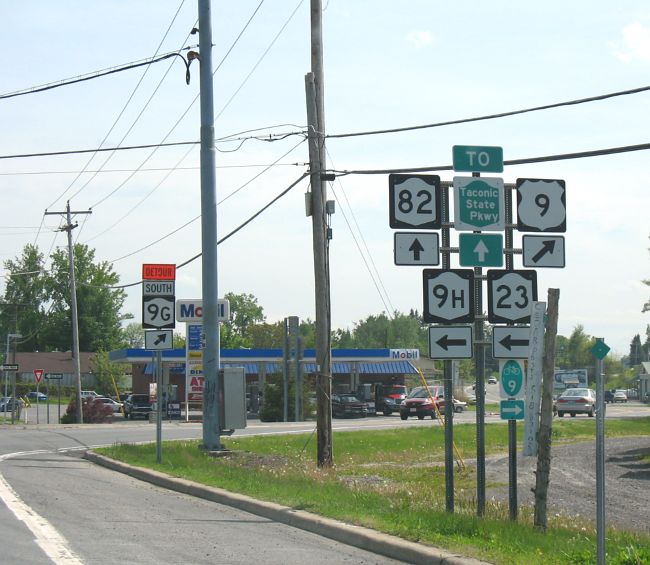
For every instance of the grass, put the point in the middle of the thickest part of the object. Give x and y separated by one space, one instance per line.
393 481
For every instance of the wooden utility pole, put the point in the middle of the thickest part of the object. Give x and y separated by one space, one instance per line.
316 123
542 476
73 306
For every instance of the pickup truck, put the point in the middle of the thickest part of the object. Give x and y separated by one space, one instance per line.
137 405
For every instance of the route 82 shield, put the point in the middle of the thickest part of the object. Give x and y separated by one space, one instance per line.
510 295
414 201
448 295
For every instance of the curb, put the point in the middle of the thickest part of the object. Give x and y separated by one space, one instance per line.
357 536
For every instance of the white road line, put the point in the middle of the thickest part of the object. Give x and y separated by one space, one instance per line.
54 545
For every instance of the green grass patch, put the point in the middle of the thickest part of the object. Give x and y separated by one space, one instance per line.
394 481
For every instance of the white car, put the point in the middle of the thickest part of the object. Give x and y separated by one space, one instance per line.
116 406
619 396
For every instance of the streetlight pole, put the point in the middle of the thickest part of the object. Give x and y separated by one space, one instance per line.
9 338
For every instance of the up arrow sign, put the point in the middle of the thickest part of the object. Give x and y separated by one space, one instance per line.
481 249
416 248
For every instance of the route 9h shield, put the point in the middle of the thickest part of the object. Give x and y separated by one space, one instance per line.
448 295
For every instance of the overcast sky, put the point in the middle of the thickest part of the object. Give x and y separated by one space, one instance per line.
387 65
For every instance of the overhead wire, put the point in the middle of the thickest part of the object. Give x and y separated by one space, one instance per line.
229 234
97 74
493 116
376 276
199 216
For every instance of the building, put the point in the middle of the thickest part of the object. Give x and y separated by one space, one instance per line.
350 368
57 362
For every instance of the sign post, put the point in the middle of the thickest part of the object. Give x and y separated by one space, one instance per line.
158 298
599 351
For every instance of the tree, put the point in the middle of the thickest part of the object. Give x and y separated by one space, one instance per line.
636 353
98 304
23 305
37 303
133 336
244 312
109 377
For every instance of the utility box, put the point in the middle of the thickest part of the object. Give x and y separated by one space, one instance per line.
232 396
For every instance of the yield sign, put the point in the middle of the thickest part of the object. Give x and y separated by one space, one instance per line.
38 374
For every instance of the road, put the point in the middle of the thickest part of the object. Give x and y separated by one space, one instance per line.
77 512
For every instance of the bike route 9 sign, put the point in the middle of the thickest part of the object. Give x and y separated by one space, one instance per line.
414 201
448 295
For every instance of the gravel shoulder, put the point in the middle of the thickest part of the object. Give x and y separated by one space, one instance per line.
572 488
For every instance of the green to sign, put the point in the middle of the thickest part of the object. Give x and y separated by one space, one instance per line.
476 159
478 204
512 379
480 249
512 409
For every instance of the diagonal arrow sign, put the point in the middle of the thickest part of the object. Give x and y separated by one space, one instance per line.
416 248
509 342
547 247
445 342
162 338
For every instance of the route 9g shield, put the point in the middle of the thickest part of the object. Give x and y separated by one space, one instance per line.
448 295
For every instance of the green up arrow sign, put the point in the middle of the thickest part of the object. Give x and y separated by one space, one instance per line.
480 249
512 378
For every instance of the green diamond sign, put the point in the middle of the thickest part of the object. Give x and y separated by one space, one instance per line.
478 204
600 349
480 249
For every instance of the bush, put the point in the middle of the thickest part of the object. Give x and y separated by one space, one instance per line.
93 412
272 408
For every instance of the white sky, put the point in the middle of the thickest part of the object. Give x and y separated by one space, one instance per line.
387 64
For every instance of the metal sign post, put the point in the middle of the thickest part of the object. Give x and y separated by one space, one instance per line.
600 350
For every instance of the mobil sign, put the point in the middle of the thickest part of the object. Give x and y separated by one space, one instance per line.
192 310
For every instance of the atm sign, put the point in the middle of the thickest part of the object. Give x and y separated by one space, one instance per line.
158 272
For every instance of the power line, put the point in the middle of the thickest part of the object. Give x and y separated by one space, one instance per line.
98 74
494 116
97 150
197 217
544 159
230 234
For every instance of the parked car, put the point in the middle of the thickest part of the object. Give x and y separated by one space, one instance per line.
7 404
389 397
620 396
86 393
576 401
115 406
609 396
37 396
137 405
422 401
348 405
492 380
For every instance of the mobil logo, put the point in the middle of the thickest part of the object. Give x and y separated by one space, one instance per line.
405 354
192 310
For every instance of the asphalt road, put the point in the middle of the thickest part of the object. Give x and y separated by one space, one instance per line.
59 508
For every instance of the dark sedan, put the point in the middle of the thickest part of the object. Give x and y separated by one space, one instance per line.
348 405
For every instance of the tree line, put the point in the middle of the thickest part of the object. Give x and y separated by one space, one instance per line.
36 304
